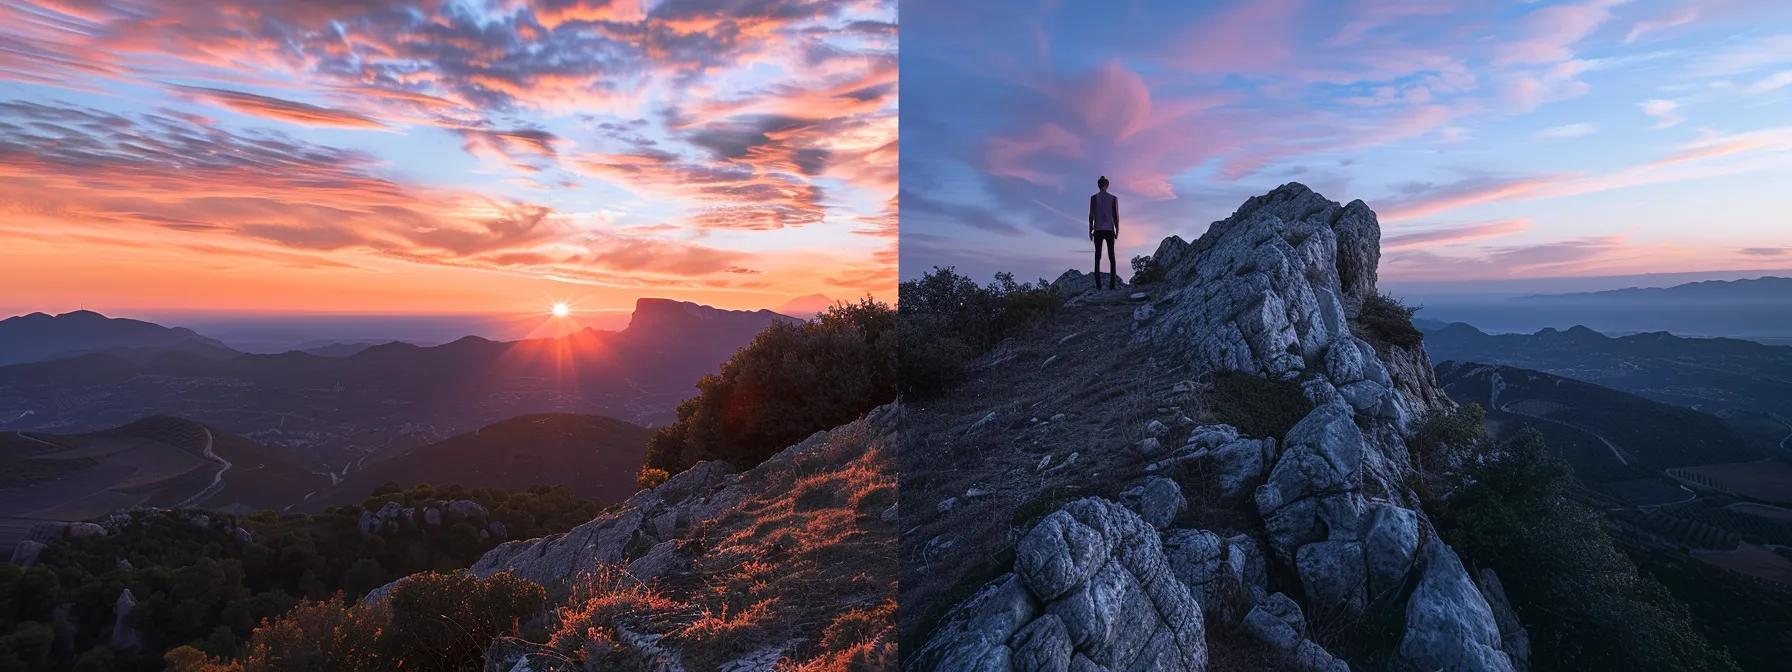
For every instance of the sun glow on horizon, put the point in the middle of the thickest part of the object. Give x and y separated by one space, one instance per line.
560 309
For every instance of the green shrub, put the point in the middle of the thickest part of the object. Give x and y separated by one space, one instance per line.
947 320
1439 433
444 622
1586 604
793 380
1385 321
429 623
203 588
1145 270
1257 406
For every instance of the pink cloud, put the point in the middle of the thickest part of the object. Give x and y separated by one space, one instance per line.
1548 34
1454 235
1247 37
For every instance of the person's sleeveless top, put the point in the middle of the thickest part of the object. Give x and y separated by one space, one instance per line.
1102 207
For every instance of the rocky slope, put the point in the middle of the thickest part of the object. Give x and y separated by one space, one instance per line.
792 560
1172 541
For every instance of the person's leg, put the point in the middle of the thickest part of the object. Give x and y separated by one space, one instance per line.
1113 269
1097 239
1101 239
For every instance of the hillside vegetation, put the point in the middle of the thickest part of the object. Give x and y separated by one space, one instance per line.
207 580
792 380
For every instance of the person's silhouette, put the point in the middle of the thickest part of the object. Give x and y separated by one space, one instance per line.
1104 225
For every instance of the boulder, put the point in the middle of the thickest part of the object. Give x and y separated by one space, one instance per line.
1331 572
1390 544
1197 559
1156 499
1448 623
125 635
974 635
1277 621
26 553
1241 464
1099 571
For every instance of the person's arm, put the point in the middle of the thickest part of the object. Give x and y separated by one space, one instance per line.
1091 216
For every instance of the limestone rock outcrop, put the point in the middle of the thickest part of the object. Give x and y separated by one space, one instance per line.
1272 291
1091 590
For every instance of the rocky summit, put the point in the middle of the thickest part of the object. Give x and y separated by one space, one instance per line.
1166 540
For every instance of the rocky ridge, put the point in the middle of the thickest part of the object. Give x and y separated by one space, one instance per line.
1112 584
817 519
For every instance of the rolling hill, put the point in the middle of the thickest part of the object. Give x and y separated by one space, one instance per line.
40 337
596 457
154 462
1715 375
1616 441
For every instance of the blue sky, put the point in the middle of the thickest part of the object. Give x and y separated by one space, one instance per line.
1496 140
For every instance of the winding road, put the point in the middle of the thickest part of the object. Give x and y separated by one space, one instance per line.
217 479
1507 408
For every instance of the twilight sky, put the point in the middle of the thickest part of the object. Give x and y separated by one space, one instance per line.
457 156
1496 140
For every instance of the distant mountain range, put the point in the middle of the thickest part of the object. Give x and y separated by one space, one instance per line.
328 410
1746 383
39 336
1758 309
1767 289
596 457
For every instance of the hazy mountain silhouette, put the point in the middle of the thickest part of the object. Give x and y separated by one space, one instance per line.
1759 309
39 337
1768 289
329 410
1710 374
805 306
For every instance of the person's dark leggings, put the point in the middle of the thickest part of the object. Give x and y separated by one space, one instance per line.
1114 271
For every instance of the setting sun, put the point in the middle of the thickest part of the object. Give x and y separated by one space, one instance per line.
561 310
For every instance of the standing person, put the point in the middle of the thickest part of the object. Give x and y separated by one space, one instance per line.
1104 225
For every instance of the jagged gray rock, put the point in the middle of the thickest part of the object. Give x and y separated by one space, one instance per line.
1514 640
1072 283
125 635
1448 623
1094 570
1242 463
26 553
1158 500
1389 546
1270 291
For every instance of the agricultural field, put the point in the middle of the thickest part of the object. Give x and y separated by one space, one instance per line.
1766 480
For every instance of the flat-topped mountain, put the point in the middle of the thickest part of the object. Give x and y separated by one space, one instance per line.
39 336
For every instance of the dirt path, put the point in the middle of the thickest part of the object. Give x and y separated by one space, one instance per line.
217 483
29 437
1507 408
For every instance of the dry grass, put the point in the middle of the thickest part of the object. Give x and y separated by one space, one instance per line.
804 565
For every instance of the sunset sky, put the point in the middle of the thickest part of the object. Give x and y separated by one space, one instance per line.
458 156
1496 140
